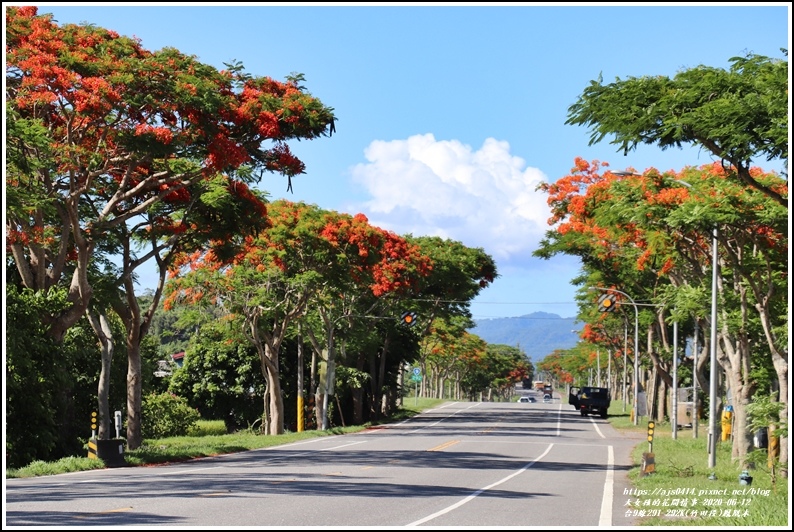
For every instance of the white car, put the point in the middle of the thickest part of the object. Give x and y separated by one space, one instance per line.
526 399
547 398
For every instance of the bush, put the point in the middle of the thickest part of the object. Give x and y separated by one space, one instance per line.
164 415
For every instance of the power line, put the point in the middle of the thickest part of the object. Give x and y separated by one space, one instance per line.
523 317
494 302
525 302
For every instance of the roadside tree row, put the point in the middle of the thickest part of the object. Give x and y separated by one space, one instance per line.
655 236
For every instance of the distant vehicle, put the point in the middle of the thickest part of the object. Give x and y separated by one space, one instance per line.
547 398
523 399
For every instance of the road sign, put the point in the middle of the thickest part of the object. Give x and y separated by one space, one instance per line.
416 378
417 371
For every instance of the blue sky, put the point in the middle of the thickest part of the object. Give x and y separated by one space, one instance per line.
449 115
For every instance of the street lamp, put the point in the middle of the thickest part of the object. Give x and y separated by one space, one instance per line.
636 347
713 357
695 410
675 380
625 358
712 441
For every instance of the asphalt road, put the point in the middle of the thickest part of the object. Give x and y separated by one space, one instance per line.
462 464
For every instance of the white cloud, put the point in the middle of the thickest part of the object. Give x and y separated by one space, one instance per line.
483 198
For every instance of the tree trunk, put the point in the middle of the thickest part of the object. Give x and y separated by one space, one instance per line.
135 330
314 379
339 407
385 408
101 326
357 395
358 405
781 367
377 377
275 424
134 395
734 358
742 437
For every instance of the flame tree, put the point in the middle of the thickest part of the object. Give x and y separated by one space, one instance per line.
651 234
112 144
307 255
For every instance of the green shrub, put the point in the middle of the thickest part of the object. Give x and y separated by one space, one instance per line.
164 415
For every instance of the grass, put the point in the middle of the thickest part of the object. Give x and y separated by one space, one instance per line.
679 489
680 470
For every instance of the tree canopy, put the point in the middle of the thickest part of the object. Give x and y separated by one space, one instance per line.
119 151
739 115
652 235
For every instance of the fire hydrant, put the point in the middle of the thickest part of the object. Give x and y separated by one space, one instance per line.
727 416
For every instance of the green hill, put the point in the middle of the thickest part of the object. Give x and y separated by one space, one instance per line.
537 334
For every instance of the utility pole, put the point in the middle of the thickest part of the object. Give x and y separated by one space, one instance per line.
695 416
674 416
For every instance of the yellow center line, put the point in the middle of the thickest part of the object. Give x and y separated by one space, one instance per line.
444 445
86 516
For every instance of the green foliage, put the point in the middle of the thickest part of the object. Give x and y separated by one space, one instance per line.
221 376
351 377
497 367
459 274
56 423
30 428
30 137
764 411
166 415
691 109
208 427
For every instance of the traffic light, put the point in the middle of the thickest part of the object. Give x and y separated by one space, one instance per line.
606 303
408 318
651 425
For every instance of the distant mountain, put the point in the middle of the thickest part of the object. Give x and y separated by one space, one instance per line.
537 334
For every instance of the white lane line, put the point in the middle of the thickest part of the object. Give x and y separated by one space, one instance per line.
480 491
598 430
606 503
559 419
